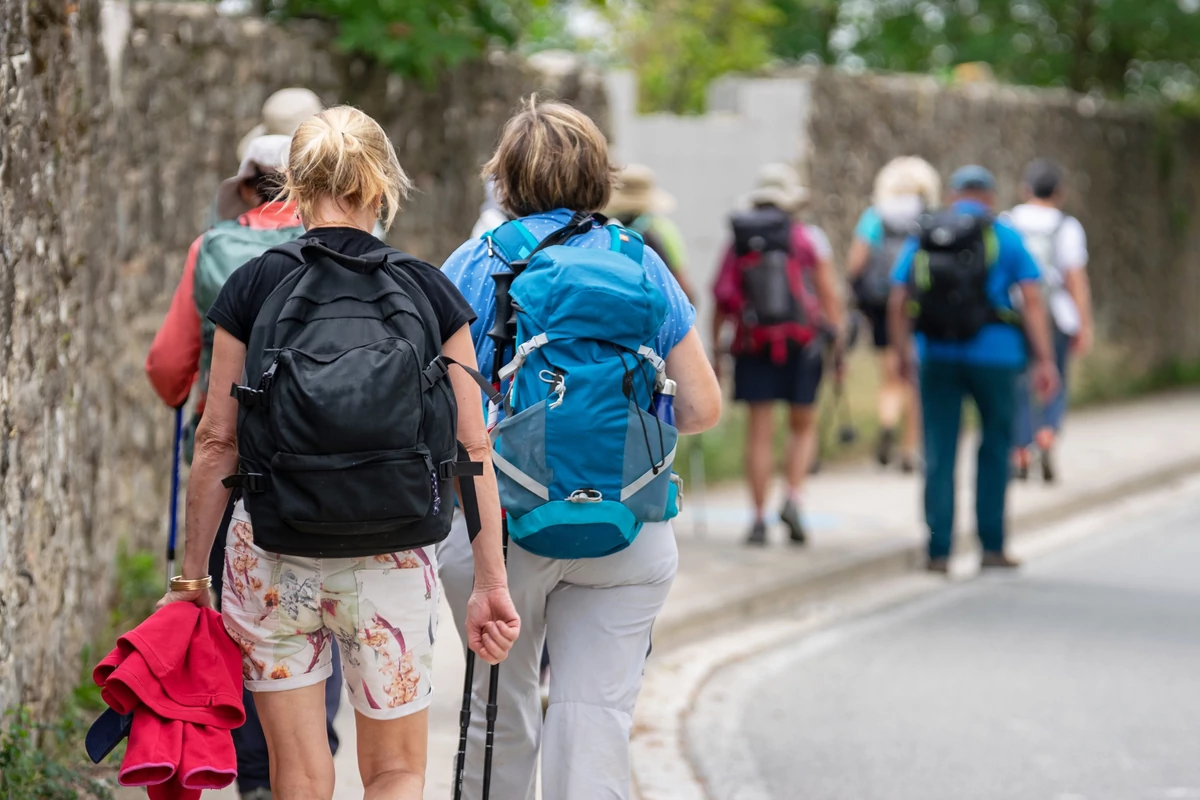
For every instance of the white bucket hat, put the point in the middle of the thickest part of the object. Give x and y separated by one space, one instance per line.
282 114
778 185
264 155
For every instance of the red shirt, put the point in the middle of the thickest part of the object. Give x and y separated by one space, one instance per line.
173 362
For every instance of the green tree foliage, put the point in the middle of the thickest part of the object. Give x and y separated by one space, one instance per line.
1114 46
678 47
421 37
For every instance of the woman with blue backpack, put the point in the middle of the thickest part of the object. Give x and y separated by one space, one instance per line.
595 352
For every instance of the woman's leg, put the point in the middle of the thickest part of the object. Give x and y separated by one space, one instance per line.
392 755
598 625
519 715
760 455
294 724
893 394
272 607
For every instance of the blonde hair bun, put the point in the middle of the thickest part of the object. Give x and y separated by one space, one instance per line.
343 154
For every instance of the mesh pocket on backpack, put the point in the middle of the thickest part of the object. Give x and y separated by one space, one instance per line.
521 441
646 491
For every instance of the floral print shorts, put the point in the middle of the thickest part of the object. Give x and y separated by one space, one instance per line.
285 612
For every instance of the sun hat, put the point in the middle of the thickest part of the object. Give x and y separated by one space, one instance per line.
637 192
282 114
778 185
264 155
972 178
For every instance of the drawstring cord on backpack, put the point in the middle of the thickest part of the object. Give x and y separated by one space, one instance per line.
655 466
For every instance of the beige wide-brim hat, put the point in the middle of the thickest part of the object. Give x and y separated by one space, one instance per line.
282 114
777 185
264 155
637 192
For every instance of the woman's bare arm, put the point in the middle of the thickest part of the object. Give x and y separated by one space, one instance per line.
856 258
697 394
216 456
472 432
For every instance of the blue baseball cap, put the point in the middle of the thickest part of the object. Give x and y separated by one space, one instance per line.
972 178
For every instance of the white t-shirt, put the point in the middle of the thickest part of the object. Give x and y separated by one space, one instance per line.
820 242
1066 252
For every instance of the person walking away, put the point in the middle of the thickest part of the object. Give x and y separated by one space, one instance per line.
905 188
952 284
282 114
591 598
641 205
180 358
1059 245
342 494
777 284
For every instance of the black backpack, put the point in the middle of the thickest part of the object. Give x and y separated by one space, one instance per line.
873 286
347 427
947 285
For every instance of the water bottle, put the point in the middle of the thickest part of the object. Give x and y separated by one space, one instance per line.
664 402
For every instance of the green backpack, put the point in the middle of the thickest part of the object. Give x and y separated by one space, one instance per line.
225 247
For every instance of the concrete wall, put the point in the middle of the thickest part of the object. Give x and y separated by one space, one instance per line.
708 162
117 124
1135 174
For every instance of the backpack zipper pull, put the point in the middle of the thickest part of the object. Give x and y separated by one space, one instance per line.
433 484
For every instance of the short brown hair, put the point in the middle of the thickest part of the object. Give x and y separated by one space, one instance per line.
551 156
344 154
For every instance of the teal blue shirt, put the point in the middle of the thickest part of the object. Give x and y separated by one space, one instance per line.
870 228
997 345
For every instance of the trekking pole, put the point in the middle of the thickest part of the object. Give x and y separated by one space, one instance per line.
499 334
173 517
503 331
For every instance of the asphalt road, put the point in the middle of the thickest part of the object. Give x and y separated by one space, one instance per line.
1077 680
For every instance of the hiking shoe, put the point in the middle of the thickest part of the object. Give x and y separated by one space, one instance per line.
998 561
1048 473
938 566
790 516
758 534
256 794
887 443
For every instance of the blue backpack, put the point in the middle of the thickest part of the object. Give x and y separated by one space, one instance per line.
582 463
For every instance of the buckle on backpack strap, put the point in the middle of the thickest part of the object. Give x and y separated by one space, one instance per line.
449 470
250 398
246 481
437 369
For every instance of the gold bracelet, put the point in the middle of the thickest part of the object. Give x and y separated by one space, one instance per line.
182 584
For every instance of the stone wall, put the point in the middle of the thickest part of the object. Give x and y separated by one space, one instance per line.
1135 176
117 125
1135 182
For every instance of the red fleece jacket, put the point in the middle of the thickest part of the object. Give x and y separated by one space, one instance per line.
181 676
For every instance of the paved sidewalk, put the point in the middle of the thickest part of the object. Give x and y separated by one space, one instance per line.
863 523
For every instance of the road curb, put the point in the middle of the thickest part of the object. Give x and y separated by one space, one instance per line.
661 769
885 560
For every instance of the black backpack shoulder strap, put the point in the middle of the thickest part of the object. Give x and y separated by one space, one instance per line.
293 249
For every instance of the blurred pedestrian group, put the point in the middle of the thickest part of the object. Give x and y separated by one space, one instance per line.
369 432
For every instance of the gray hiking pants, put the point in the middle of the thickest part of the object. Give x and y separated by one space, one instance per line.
595 616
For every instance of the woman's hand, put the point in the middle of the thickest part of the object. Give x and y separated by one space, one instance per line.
201 597
492 623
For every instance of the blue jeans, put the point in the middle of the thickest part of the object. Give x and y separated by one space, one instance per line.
1032 414
944 386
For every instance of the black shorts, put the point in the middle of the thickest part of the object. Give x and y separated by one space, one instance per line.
876 316
758 379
